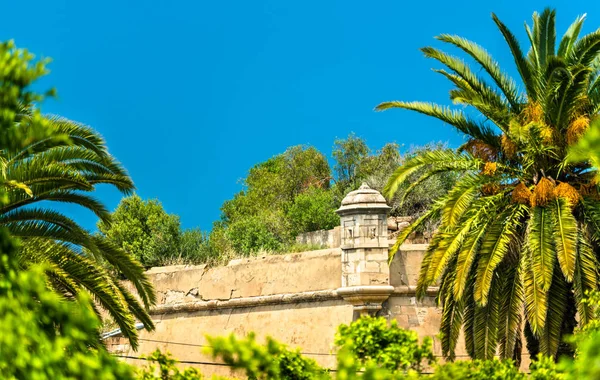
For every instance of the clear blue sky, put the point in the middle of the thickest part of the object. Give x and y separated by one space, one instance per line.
191 94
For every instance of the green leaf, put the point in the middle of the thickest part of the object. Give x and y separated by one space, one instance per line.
541 246
565 237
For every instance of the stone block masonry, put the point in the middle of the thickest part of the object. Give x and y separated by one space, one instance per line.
299 299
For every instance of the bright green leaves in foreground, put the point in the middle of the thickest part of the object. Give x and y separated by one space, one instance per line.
50 160
42 336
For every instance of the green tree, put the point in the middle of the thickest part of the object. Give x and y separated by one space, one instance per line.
257 218
195 247
49 160
144 230
313 210
519 231
348 154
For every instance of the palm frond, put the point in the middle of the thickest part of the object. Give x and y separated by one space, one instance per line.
585 278
487 322
511 310
536 298
128 266
541 246
452 320
565 237
569 38
546 36
585 50
457 119
521 62
491 66
494 248
550 335
434 160
17 201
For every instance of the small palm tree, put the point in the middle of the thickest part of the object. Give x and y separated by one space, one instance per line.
60 166
520 230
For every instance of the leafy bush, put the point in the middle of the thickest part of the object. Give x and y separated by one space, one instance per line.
272 360
167 369
313 210
144 229
372 339
44 337
256 233
194 247
478 370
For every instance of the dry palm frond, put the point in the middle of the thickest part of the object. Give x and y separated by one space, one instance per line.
532 113
543 192
577 128
521 194
480 150
489 168
568 192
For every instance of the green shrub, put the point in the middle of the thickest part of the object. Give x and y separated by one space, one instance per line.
373 340
313 210
145 230
42 336
272 360
478 370
255 233
544 368
167 369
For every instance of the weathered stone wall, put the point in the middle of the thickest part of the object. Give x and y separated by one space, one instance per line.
262 276
324 238
299 299
292 298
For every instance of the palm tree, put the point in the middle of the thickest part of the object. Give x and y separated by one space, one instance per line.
520 230
61 165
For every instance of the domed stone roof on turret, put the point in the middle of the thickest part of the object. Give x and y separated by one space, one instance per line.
364 197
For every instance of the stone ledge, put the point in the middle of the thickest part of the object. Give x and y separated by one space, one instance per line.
408 246
411 290
278 299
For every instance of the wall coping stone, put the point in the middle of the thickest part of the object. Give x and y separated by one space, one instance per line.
316 296
242 302
411 290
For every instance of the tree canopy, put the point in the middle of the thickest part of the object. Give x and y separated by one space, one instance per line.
154 237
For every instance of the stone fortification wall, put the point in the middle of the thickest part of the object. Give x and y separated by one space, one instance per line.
292 298
299 299
323 238
252 277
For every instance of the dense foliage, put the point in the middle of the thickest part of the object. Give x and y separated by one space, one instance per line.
44 337
49 160
271 360
373 340
166 369
272 210
43 334
154 237
519 231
